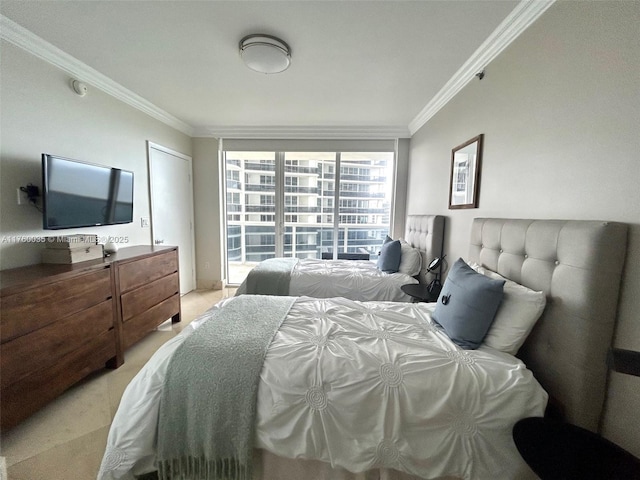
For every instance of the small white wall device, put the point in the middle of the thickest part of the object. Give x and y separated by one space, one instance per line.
79 87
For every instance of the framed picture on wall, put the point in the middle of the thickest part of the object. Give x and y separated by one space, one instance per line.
466 160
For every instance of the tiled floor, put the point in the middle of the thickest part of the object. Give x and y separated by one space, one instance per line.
66 439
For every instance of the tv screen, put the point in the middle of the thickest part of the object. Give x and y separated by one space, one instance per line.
78 194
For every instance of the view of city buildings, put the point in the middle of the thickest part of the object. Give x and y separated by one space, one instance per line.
292 196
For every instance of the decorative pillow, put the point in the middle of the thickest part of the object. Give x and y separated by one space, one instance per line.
410 259
519 311
389 259
387 239
467 305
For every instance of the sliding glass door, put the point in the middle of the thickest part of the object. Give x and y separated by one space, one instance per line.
307 209
364 201
304 205
250 211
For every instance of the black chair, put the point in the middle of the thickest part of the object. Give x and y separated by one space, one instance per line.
557 450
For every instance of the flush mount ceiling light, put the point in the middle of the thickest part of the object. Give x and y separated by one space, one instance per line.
265 53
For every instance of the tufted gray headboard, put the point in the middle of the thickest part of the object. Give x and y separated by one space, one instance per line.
426 233
578 264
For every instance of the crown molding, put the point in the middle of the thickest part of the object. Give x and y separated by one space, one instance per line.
28 41
307 132
511 27
516 22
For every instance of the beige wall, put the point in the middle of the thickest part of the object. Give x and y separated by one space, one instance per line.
41 114
560 111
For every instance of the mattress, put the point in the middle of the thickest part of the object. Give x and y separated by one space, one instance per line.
353 279
361 386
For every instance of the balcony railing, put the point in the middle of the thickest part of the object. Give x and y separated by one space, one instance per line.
260 208
296 209
298 189
300 169
363 178
348 194
287 209
361 211
269 167
256 187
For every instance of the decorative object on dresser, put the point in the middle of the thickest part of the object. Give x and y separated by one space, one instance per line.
110 247
71 249
78 318
69 242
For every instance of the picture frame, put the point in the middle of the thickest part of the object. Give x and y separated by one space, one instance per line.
464 185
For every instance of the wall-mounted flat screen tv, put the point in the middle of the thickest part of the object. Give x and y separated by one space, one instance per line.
79 194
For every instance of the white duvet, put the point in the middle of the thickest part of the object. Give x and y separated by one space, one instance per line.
361 386
356 280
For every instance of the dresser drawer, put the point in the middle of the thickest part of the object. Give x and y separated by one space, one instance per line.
140 272
141 299
43 347
23 398
142 324
37 307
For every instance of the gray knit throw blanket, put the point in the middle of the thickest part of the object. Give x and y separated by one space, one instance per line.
271 276
208 403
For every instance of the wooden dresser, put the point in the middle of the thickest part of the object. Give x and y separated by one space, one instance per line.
147 289
59 323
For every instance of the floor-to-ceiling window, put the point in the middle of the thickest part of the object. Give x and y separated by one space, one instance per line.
299 203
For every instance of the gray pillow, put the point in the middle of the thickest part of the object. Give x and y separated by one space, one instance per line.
467 305
390 255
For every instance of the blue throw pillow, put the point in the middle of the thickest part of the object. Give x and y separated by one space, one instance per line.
389 259
467 305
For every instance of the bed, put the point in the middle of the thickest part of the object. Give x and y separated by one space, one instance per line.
362 390
354 279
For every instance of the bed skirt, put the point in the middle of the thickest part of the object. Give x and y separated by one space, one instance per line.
268 466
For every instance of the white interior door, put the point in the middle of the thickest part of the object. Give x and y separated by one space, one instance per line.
171 194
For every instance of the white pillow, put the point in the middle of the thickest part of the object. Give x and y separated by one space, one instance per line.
410 259
519 311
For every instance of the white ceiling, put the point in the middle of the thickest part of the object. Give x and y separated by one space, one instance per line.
355 65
